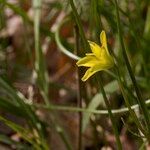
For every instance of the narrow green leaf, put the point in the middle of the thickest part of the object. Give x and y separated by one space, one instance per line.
19 146
25 134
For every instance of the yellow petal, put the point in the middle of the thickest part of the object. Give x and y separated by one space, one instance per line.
87 74
88 61
106 58
103 40
93 70
96 49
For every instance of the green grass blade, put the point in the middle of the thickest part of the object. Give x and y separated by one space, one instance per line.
42 76
20 146
25 134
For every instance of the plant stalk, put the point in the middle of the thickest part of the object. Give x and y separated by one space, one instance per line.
110 114
79 24
79 82
139 97
131 111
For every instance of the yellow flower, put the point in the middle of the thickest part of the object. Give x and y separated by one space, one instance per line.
98 60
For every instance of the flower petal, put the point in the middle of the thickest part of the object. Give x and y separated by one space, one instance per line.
103 40
96 49
93 70
88 61
106 58
87 74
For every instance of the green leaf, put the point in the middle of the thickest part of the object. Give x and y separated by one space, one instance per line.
27 110
19 146
12 94
8 106
24 133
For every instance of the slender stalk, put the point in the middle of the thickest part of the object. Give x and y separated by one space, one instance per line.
78 22
60 45
95 19
79 96
63 137
37 13
42 78
110 115
131 111
139 97
85 110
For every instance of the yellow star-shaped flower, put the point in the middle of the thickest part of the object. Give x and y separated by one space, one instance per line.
98 60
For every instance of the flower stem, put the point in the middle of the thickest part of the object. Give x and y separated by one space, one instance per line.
79 96
131 111
78 22
139 97
110 114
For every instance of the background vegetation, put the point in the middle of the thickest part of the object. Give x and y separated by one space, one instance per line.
43 102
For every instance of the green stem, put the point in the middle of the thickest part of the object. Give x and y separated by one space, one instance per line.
78 22
41 69
139 97
85 110
39 58
59 43
131 111
79 96
110 115
63 137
